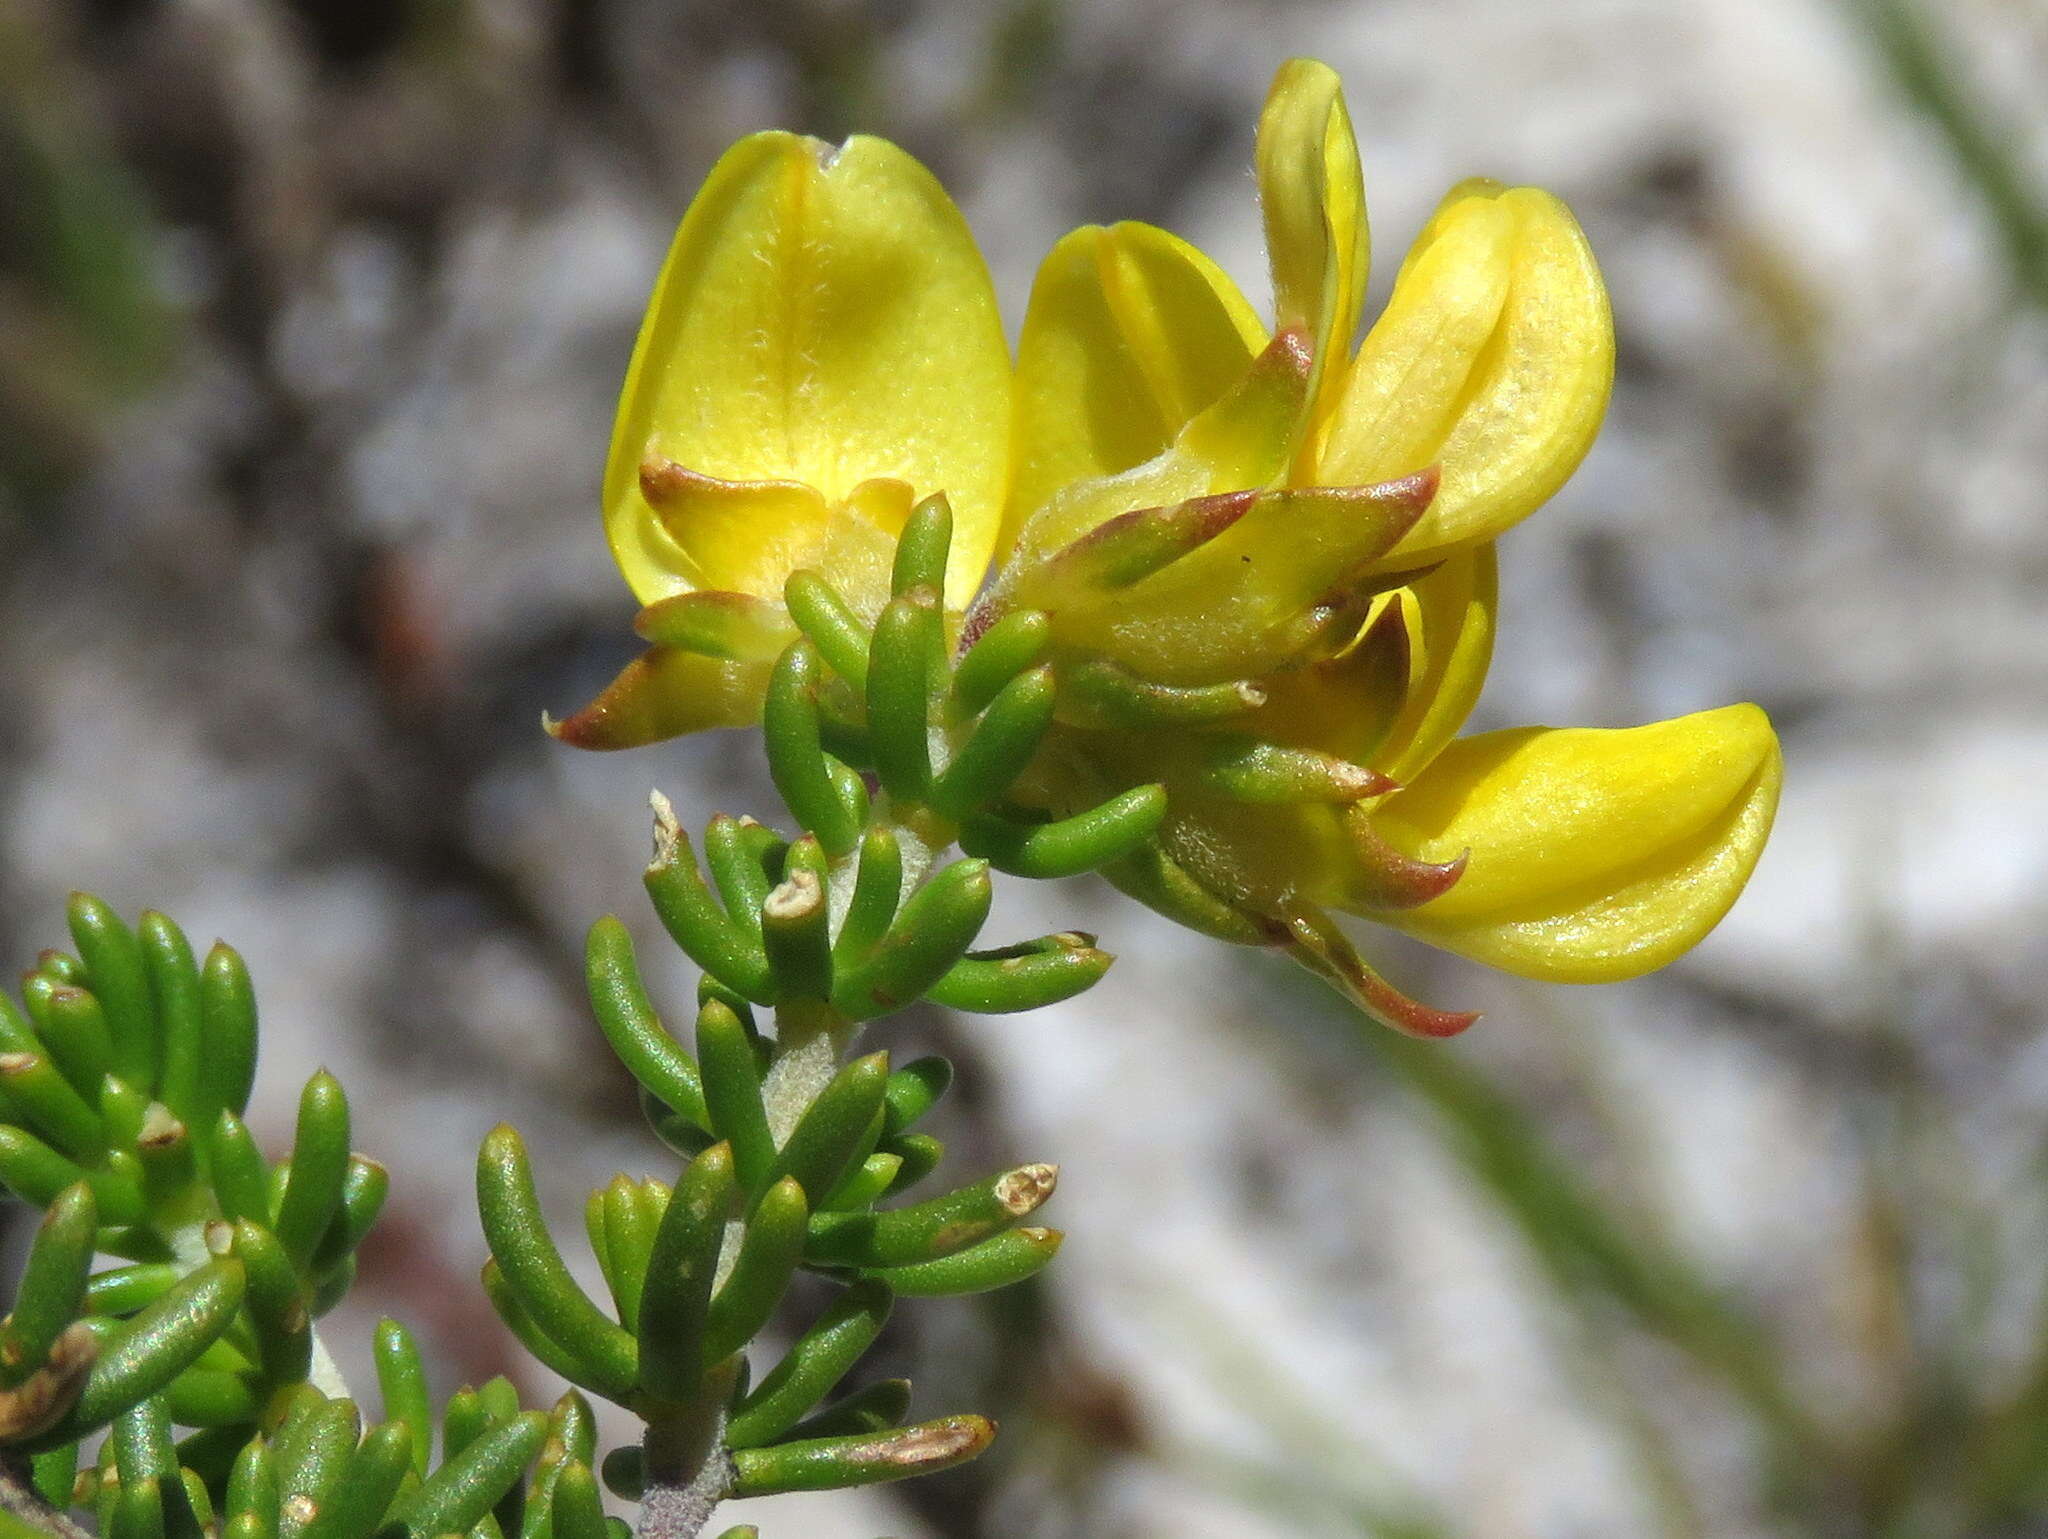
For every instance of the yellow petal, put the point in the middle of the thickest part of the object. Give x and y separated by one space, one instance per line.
1595 855
1313 196
823 317
734 536
1450 616
1129 334
1495 358
664 693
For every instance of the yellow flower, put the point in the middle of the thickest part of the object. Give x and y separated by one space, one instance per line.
1264 560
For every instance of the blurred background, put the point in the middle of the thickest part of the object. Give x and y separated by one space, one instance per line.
312 315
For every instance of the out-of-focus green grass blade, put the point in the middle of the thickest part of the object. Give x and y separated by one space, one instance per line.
1904 36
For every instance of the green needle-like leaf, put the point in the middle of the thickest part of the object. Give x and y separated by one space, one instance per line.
629 1022
930 1230
252 1493
42 1099
768 1255
797 761
544 1348
920 1154
578 1507
402 1382
312 1194
912 1091
241 1181
364 1187
1069 846
55 1476
315 1447
519 1240
738 851
143 1449
227 1016
138 1511
126 1289
796 927
113 961
923 547
53 1283
906 645
821 614
863 1459
866 1184
170 1164
141 1356
927 939
816 1362
457 1496
622 1230
1029 976
1008 647
879 1405
732 1093
877 890
284 1332
834 1131
174 986
38 1173
211 1397
996 1263
679 1277
1101 694
693 916
74 1029
999 747
357 1506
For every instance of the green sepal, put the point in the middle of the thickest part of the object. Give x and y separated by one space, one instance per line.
736 627
241 1181
877 890
227 1017
694 918
1159 882
908 642
284 1330
1101 694
53 1283
873 1408
680 1272
113 960
929 936
74 1031
456 1497
732 1093
770 1249
1008 647
797 761
1008 1258
1000 745
834 1129
923 546
630 1025
796 926
1262 774
941 1227
577 1507
174 985
836 631
742 855
319 1165
402 1382
1068 846
861 1459
536 1275
41 1099
815 1362
912 1091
